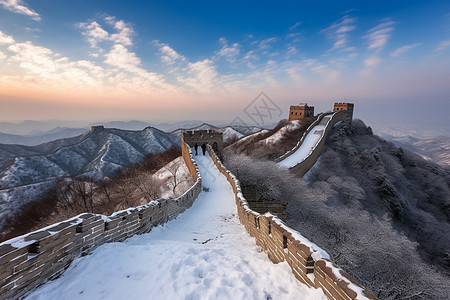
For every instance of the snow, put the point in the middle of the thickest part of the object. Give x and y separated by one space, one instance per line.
274 138
337 272
204 253
308 145
317 252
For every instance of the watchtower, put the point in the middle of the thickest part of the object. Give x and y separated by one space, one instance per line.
346 107
298 112
214 138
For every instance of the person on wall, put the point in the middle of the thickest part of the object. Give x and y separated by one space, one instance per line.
204 148
196 147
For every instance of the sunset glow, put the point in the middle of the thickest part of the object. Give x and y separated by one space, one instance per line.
176 60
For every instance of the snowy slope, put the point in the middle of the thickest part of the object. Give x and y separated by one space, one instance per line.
97 154
203 254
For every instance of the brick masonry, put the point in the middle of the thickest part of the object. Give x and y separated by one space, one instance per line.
281 243
303 167
30 260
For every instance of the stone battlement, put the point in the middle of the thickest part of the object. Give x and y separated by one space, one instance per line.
211 137
298 112
282 243
344 106
32 259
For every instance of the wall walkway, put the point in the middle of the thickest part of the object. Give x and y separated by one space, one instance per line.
30 260
305 154
281 243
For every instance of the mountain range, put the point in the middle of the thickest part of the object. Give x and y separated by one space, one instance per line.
27 172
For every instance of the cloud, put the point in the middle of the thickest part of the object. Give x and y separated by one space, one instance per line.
95 33
169 55
339 31
295 25
442 45
291 50
5 39
372 61
399 51
18 6
202 76
379 35
43 67
124 33
120 57
2 56
229 52
265 44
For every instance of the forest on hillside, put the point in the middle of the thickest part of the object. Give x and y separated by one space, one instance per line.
380 211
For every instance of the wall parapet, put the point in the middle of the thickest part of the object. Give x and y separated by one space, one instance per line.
304 166
32 259
309 264
300 142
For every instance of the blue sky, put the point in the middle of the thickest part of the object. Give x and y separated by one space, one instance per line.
176 60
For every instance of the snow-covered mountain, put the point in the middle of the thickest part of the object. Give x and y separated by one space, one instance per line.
436 149
26 172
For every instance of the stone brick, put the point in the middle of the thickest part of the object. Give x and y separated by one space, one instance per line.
12 254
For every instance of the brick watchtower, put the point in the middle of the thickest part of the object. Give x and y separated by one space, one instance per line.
346 107
300 111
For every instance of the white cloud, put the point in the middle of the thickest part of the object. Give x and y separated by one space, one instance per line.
120 57
5 39
18 6
44 67
264 44
229 52
123 36
2 56
442 45
95 33
399 51
339 31
169 54
379 35
202 75
372 61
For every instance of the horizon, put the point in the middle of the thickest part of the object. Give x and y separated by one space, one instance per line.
162 62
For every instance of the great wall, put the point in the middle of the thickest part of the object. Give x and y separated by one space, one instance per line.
30 260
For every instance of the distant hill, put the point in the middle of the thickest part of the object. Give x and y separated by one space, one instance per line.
26 172
436 149
41 137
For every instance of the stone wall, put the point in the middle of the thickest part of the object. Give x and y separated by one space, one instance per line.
303 167
211 137
32 259
281 243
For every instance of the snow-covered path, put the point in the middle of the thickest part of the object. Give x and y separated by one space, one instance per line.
309 143
203 254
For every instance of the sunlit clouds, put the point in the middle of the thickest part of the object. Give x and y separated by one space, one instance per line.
18 6
123 65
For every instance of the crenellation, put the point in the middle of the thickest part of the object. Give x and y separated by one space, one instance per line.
279 243
301 111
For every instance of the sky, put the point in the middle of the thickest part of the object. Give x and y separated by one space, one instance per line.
211 60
